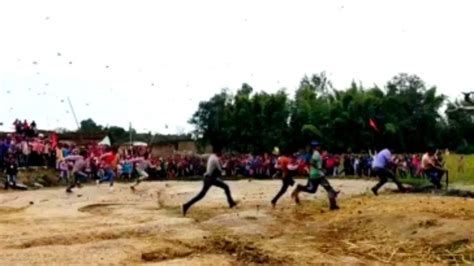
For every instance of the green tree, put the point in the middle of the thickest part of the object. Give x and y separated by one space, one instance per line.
459 129
212 120
406 110
89 126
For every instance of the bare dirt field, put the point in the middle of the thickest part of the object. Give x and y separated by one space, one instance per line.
95 226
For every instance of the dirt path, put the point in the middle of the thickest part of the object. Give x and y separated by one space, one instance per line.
95 226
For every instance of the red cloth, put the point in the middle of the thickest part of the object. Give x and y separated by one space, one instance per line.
330 162
373 124
283 162
38 147
110 160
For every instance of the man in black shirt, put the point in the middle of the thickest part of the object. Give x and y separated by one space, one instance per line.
11 169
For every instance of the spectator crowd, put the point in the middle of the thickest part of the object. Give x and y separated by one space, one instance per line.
26 148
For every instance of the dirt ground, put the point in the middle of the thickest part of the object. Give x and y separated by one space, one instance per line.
95 226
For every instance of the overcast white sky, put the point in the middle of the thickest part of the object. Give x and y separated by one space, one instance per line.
164 57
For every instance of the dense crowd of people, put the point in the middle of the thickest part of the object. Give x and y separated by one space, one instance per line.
26 148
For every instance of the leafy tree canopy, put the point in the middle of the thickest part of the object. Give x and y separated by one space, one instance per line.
407 113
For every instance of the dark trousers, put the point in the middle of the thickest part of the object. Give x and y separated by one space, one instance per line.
24 160
210 181
384 175
313 184
78 177
287 182
109 175
312 187
11 181
435 176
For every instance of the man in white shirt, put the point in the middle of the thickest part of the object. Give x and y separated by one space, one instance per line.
78 170
26 151
211 178
142 164
431 168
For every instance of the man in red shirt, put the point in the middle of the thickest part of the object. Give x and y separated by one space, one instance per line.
110 160
330 162
284 165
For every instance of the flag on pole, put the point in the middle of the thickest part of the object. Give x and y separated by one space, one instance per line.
54 140
373 125
105 141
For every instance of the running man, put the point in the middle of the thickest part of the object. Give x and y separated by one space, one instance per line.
78 169
284 166
381 167
142 163
316 178
109 159
211 178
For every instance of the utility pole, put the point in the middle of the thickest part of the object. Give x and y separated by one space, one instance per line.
130 130
73 113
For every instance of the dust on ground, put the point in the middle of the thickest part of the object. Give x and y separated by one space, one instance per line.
95 226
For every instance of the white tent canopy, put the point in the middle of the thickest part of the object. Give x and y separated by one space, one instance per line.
137 144
105 141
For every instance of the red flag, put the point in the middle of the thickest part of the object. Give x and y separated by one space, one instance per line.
54 140
373 125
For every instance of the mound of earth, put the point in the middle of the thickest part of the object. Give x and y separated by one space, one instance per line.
145 227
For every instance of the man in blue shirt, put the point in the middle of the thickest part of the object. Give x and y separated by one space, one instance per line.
381 167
